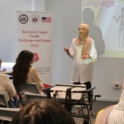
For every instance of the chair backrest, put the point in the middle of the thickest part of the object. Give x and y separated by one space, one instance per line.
34 97
7 114
3 101
26 87
31 87
71 85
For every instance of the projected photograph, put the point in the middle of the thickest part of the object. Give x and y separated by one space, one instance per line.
106 22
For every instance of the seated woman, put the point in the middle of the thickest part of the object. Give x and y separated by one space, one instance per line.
7 87
113 114
46 111
23 72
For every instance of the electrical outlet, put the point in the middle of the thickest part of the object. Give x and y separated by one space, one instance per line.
117 86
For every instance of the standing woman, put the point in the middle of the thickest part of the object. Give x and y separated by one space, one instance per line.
23 72
83 52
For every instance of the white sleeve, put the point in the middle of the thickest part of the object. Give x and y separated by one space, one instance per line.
71 50
93 52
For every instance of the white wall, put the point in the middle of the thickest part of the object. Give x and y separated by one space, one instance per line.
39 5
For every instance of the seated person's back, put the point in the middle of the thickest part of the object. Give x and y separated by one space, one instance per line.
7 87
32 77
23 72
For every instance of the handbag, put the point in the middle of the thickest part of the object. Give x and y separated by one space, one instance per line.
14 102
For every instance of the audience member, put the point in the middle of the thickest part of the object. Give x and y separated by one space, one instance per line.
7 87
113 114
46 111
23 72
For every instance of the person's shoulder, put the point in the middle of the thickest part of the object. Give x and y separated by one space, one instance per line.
74 39
89 38
4 78
32 69
3 75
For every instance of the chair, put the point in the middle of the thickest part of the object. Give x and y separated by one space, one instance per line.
32 87
26 87
7 114
3 101
31 97
66 95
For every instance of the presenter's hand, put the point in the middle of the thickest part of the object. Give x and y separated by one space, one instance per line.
85 56
66 50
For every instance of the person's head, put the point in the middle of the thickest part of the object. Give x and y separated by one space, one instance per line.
43 112
22 65
25 57
83 30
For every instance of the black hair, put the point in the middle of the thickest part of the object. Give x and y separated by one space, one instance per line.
22 66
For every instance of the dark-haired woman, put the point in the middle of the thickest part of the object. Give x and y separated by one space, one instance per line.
23 72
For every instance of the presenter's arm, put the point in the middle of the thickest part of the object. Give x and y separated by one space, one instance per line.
93 52
66 50
70 51
37 79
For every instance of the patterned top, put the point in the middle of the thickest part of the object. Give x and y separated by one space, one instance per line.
116 116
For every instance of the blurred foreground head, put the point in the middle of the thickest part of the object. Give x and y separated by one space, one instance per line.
43 112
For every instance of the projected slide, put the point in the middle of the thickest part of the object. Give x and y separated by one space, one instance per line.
106 22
